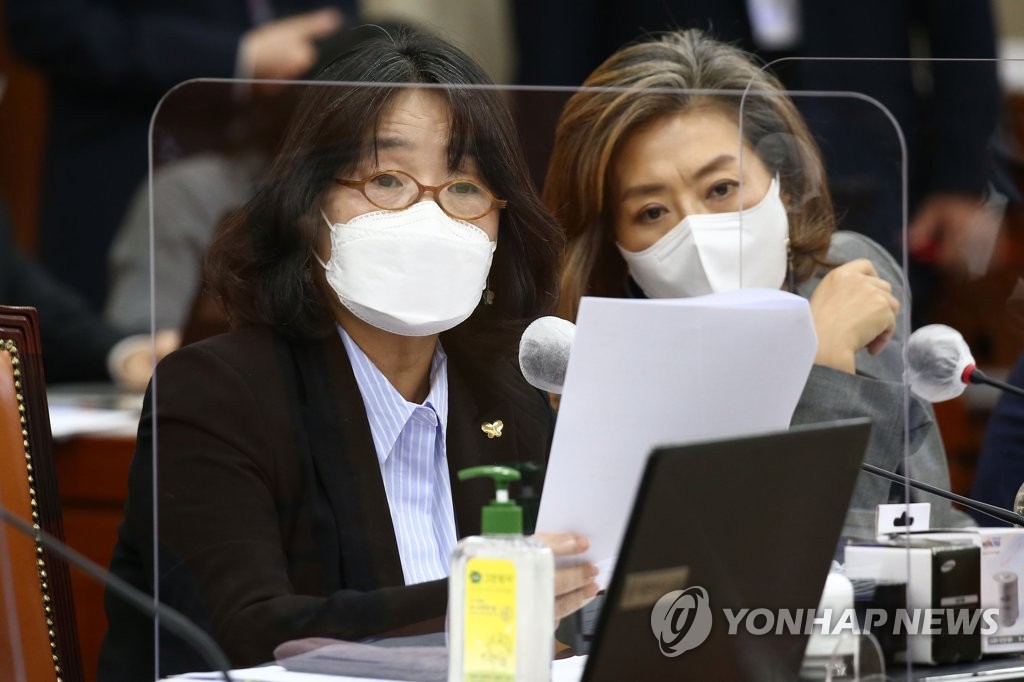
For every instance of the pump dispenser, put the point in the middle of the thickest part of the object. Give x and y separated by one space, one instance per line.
501 595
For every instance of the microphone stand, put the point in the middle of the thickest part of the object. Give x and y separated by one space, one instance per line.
984 508
174 621
974 375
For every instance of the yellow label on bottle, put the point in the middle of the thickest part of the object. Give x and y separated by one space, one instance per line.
489 654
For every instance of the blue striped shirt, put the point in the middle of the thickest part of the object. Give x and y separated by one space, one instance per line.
410 444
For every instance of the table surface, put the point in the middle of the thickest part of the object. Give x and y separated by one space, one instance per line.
565 670
571 670
92 474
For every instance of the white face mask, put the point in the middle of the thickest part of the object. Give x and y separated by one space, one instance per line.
413 272
714 252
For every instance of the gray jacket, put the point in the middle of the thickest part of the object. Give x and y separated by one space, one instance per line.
190 198
877 391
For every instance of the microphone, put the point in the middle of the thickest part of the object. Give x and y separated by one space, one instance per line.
1015 517
940 365
938 353
174 621
937 359
544 352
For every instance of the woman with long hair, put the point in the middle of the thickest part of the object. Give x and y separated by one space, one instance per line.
669 182
378 282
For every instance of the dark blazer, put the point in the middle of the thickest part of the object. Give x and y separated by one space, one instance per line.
75 340
108 63
273 519
948 130
1000 471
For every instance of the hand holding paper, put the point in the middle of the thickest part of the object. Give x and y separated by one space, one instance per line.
645 373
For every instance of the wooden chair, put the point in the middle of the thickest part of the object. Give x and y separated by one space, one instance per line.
38 641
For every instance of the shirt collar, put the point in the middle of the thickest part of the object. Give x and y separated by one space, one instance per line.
386 409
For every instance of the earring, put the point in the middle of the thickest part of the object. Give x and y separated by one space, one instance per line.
488 295
789 267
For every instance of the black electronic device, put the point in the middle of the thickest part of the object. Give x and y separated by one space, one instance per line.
736 524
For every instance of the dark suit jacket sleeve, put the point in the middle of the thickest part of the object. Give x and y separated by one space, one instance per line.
559 42
225 477
92 41
1001 462
75 340
966 101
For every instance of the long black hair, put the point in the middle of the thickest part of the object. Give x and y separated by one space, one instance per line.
262 265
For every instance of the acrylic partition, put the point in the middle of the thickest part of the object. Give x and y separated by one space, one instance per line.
958 236
848 267
336 228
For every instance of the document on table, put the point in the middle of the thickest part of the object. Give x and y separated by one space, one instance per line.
646 373
566 670
270 673
84 409
68 420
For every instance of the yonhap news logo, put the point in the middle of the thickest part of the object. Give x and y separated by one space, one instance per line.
681 620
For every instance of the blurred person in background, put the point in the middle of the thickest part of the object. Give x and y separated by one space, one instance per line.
947 111
108 63
190 198
77 344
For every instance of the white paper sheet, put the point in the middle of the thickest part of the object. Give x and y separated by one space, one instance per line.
270 673
567 670
67 421
645 373
92 408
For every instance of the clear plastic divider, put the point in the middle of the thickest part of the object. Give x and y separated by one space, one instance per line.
949 220
267 474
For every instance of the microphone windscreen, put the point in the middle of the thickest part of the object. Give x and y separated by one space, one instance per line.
544 351
937 356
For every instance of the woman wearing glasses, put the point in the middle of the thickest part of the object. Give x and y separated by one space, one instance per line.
378 283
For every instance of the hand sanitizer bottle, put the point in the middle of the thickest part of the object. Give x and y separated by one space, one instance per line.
501 596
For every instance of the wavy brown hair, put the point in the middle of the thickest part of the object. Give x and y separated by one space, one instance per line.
262 263
650 80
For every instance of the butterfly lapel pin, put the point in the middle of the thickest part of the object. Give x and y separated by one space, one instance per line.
493 429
